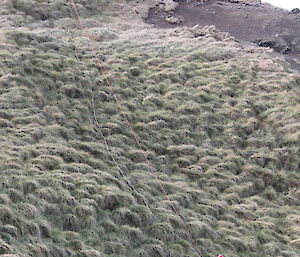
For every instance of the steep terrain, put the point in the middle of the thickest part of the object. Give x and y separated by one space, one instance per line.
199 155
250 22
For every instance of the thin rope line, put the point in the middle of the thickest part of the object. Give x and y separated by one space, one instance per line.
94 120
136 137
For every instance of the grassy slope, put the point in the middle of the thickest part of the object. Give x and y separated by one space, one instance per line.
220 126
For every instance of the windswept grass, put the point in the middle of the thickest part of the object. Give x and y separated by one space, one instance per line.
219 125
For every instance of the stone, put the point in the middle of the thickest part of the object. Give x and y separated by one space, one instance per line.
295 11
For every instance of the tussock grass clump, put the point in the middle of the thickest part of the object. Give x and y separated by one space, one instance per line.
117 199
5 248
133 233
114 248
124 216
72 91
4 199
4 123
10 230
6 214
181 150
28 210
88 253
71 223
161 231
45 229
31 228
29 186
15 195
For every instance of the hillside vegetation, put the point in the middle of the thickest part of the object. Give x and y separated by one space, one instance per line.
218 125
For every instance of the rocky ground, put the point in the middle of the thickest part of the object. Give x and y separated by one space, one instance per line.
248 21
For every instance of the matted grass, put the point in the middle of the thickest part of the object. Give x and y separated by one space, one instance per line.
219 125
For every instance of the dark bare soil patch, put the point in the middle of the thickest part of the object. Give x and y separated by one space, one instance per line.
254 22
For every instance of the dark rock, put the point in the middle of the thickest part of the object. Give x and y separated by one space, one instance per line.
265 43
279 47
295 11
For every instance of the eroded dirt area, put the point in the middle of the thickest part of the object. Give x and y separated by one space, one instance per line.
249 22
